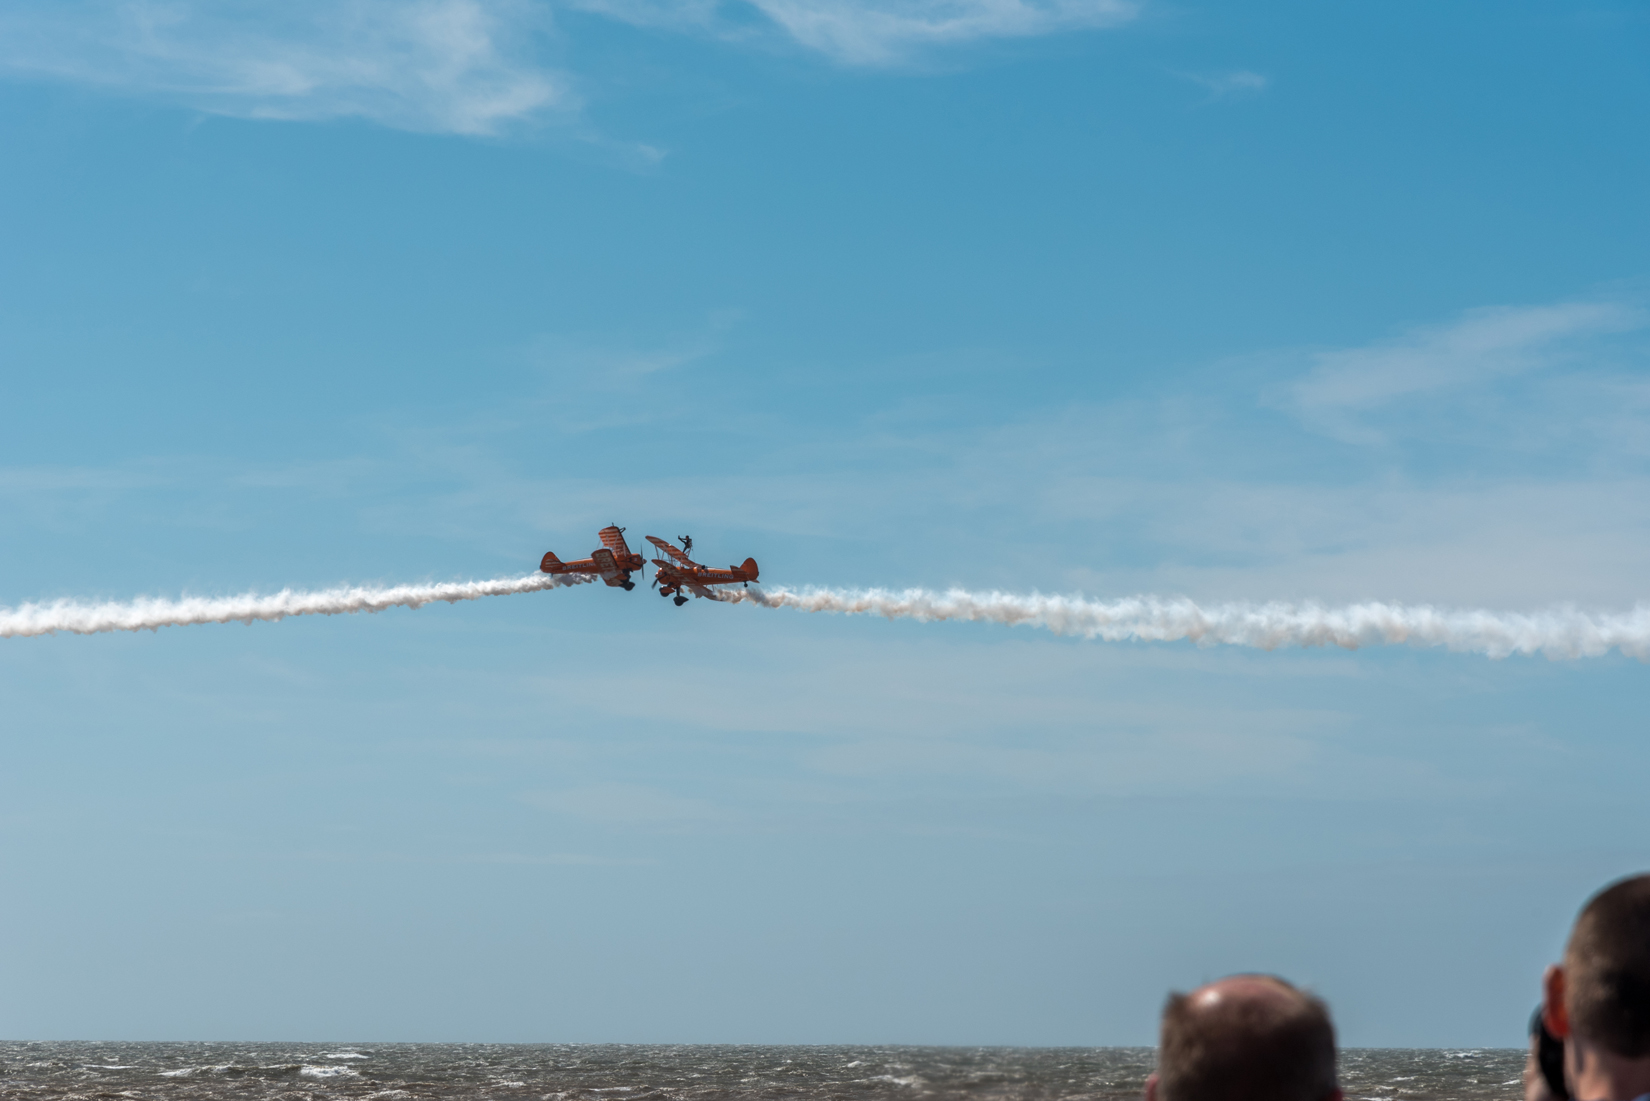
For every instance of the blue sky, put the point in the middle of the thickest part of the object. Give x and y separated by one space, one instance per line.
1242 301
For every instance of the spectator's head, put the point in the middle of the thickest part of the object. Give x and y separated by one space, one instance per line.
1245 1038
1606 977
1598 1000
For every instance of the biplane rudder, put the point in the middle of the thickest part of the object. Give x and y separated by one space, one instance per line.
550 563
749 569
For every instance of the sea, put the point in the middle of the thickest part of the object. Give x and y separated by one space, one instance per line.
631 1072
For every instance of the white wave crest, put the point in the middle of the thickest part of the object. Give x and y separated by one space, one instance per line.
308 1071
190 1072
152 613
1562 632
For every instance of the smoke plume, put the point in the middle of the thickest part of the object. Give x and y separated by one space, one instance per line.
1557 633
148 614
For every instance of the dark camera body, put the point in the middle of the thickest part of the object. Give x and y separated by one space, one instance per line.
1549 1056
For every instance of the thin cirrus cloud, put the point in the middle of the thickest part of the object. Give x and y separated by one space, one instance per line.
1479 348
443 66
870 33
888 32
468 67
1236 82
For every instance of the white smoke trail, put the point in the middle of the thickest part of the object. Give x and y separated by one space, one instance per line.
150 613
1557 633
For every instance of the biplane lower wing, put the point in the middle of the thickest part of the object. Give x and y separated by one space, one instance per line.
606 567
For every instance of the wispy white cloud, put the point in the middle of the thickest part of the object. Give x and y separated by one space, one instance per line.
870 32
1480 347
886 32
469 67
1223 84
444 66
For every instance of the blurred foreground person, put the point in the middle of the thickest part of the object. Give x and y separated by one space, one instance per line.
1544 1066
1245 1038
1598 999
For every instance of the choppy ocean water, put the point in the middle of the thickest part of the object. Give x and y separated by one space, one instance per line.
601 1072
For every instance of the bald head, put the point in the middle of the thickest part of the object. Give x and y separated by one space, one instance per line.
1260 994
1607 969
1246 1038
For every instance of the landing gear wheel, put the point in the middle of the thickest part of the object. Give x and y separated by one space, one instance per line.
680 601
628 585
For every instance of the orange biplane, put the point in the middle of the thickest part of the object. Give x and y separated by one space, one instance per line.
676 572
613 563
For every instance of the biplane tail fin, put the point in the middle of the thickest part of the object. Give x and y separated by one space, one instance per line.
749 569
612 538
550 563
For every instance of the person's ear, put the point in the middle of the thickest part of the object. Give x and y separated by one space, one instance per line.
1151 1086
1553 1016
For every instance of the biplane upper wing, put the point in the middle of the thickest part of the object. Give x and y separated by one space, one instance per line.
674 552
612 538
